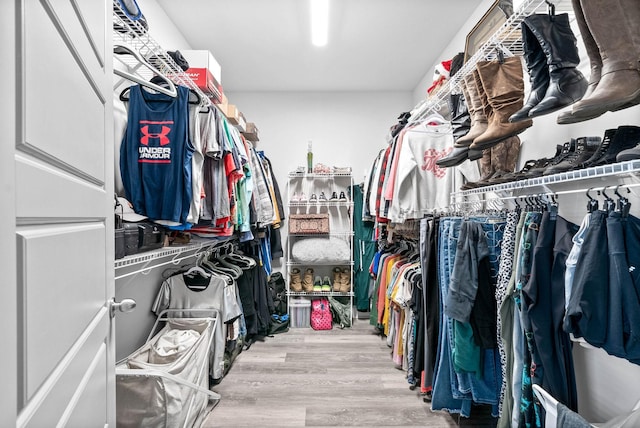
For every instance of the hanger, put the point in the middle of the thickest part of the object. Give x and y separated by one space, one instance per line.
199 270
549 403
608 205
122 49
551 10
552 206
592 205
624 206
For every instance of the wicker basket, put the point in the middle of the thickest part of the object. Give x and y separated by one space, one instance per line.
309 224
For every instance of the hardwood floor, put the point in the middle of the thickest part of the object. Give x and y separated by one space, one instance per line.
321 378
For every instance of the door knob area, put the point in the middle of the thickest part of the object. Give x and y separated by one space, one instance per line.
126 305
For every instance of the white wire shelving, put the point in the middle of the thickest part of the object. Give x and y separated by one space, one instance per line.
507 41
135 35
620 169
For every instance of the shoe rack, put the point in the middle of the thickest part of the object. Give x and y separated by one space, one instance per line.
542 184
304 196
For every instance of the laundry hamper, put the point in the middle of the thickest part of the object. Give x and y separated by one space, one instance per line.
165 383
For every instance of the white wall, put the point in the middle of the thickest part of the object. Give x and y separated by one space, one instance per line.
347 128
161 27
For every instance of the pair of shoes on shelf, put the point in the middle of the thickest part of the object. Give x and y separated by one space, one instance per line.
321 285
341 280
298 197
617 145
336 198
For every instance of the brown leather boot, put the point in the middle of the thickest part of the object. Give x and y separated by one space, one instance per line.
486 171
476 110
614 27
504 158
504 87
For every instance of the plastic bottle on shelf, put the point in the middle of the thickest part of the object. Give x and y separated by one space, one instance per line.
309 158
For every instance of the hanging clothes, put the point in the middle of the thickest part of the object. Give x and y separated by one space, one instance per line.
155 156
364 248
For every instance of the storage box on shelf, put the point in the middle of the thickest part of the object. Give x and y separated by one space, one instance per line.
203 59
300 312
251 132
320 233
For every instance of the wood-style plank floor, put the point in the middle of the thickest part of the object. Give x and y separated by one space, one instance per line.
307 378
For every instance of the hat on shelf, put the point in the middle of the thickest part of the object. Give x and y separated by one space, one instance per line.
125 209
440 75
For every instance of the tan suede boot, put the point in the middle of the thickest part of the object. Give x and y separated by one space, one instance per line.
346 280
503 84
295 280
337 279
307 281
477 111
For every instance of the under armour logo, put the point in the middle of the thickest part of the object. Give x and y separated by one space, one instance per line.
431 156
162 135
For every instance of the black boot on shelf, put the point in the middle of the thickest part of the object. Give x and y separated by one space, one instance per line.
585 148
565 150
566 84
538 70
460 124
614 142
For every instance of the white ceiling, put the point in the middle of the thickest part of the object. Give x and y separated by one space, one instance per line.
374 45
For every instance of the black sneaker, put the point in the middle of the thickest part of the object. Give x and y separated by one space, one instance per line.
313 198
322 197
334 197
585 148
342 197
565 150
615 141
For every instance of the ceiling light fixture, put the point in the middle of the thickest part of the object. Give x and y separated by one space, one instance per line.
319 22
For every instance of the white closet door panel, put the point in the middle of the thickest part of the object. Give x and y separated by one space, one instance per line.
43 190
92 398
63 102
79 382
85 24
53 268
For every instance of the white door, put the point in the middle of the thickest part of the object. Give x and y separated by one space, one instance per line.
57 227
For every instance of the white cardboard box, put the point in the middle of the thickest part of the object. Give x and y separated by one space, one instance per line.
203 59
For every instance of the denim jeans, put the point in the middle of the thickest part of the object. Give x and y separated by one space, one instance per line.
445 380
462 387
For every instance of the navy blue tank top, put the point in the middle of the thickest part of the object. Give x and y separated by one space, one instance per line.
155 156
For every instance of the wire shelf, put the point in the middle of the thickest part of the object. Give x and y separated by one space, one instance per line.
333 263
320 203
160 253
615 169
133 34
507 41
318 293
318 175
